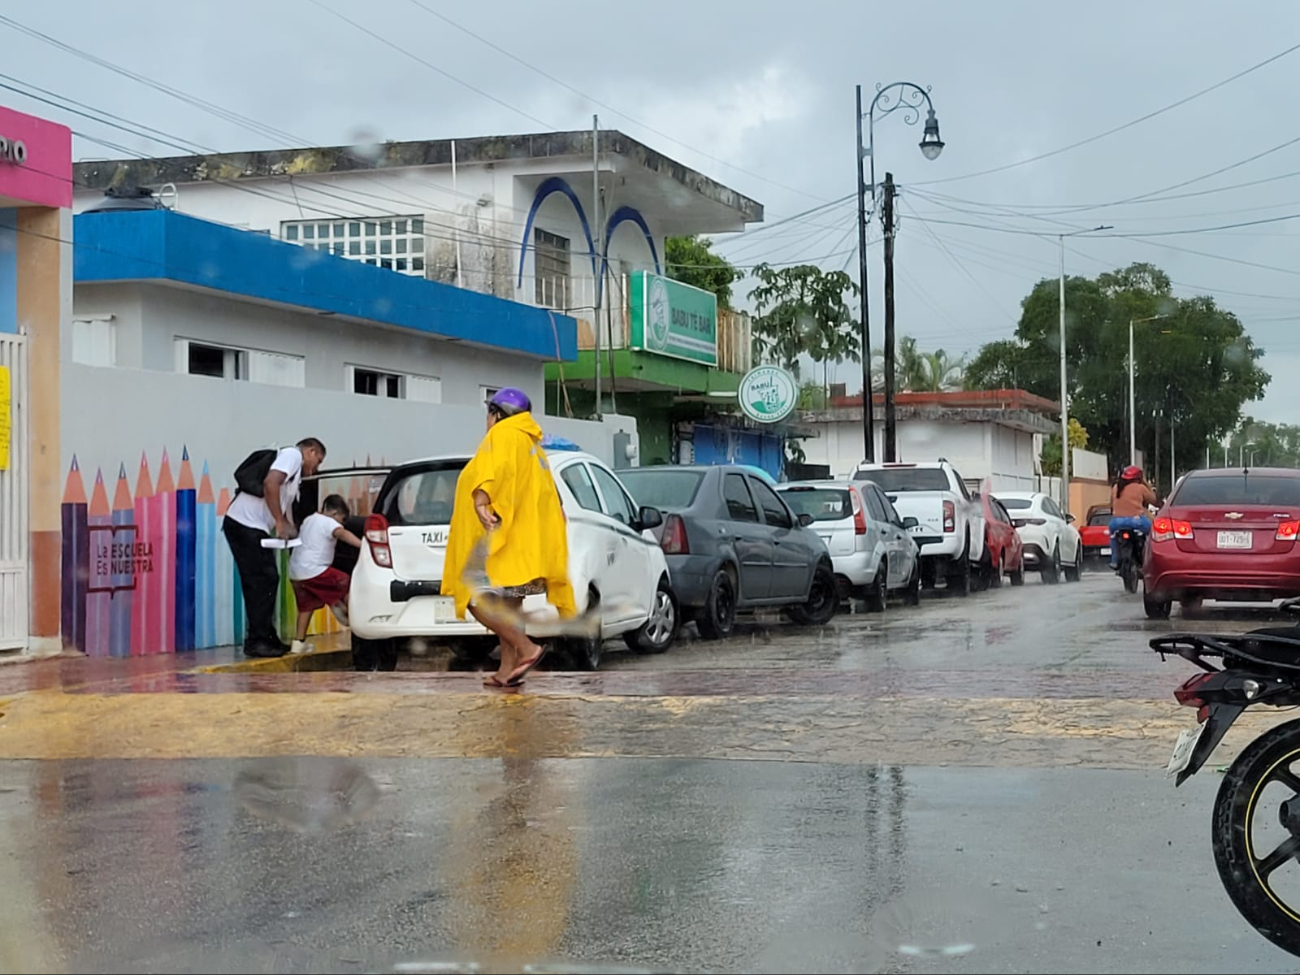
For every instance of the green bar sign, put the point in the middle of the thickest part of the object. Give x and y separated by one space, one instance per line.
673 319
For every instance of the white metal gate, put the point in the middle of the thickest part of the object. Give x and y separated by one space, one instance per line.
13 501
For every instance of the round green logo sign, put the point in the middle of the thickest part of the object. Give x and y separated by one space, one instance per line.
768 394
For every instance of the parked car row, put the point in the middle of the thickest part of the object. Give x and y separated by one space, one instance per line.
651 549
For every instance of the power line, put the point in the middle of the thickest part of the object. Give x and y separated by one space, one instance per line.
1118 128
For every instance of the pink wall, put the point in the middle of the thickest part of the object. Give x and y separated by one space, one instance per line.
44 177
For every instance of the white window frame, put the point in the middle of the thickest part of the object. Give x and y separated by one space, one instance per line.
87 326
408 382
240 363
546 279
395 242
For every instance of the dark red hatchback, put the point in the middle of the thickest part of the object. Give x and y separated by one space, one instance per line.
1225 534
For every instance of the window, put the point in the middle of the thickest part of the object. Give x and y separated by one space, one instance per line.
821 504
906 478
1239 489
740 505
550 269
424 389
663 487
999 512
775 512
579 482
364 240
487 392
94 341
1017 503
369 382
891 513
274 369
200 359
1050 507
422 496
875 502
617 502
1099 517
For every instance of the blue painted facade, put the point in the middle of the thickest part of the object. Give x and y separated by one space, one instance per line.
160 245
8 270
738 445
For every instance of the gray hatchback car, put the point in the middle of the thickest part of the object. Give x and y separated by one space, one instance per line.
733 544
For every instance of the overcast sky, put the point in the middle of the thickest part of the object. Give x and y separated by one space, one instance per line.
759 95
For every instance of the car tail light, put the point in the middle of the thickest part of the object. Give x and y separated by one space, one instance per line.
859 516
377 537
949 516
674 538
1164 529
1287 531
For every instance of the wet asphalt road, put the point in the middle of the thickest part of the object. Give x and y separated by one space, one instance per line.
621 856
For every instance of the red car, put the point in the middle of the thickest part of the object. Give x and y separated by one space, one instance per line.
1095 532
1225 534
1002 543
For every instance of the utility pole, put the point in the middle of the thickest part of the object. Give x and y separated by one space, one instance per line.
868 420
891 419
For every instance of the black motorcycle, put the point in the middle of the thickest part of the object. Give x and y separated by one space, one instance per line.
1256 830
1131 544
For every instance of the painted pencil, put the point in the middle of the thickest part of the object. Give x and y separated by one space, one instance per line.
186 566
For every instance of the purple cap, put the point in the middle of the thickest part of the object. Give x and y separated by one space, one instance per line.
510 401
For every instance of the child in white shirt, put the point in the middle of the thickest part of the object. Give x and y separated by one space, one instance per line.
316 583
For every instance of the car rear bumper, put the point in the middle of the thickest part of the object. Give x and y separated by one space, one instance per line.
856 568
1034 556
1255 580
948 545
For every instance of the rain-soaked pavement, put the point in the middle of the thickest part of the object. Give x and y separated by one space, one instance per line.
974 786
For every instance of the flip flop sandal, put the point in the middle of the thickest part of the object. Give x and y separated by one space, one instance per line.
519 673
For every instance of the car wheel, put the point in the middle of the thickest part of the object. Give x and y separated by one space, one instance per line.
1073 572
823 602
1191 606
373 654
719 612
959 580
912 594
1157 609
877 593
585 651
473 649
995 576
659 630
1017 576
1052 567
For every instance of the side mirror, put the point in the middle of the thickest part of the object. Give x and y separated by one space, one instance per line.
805 520
649 517
1069 519
910 522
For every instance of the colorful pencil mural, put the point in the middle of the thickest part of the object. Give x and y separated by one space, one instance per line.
152 573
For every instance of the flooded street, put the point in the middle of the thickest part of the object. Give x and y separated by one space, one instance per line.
973 786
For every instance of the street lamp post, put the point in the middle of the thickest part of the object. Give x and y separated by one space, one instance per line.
889 98
1132 412
1241 455
1065 393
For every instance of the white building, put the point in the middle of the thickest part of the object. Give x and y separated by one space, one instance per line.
986 435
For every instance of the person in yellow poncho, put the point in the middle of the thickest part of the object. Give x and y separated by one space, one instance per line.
507 523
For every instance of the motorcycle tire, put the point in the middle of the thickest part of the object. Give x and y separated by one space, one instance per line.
1244 876
1129 573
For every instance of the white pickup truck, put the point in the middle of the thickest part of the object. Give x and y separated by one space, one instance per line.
949 529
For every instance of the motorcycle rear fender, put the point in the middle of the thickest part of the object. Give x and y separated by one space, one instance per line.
1220 719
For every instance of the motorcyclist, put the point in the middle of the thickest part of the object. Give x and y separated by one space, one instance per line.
1130 497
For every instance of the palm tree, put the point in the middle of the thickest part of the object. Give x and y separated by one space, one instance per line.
920 372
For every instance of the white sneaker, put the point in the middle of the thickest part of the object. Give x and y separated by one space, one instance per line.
340 612
299 646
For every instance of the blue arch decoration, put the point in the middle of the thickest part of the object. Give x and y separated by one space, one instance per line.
622 215
555 184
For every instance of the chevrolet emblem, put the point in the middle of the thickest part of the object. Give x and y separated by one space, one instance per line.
1234 515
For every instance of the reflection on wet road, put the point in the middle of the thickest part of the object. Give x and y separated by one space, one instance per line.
605 822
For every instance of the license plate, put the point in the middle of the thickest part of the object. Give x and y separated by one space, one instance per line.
1183 748
1235 539
1105 550
444 609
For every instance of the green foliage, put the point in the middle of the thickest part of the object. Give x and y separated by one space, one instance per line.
1272 444
691 260
803 311
919 372
1196 366
1051 457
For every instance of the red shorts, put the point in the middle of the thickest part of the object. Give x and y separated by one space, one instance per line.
326 589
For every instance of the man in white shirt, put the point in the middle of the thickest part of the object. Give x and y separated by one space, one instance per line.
251 519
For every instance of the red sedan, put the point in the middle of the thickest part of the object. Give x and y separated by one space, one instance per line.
1225 534
1002 543
1095 532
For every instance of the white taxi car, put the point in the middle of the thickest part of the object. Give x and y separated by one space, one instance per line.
614 563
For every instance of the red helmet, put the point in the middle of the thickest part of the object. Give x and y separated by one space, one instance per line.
1131 473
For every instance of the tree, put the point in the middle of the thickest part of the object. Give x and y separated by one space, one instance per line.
691 260
920 372
1196 366
1271 444
1051 458
803 311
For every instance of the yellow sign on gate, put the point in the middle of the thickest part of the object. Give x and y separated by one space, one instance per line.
6 418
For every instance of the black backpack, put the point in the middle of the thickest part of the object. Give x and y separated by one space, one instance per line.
250 475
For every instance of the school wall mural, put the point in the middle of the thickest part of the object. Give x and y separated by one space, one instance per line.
147 570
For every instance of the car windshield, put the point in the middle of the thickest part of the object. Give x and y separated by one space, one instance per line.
1012 504
662 487
1101 517
1242 489
422 496
823 504
906 478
